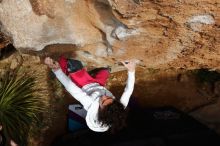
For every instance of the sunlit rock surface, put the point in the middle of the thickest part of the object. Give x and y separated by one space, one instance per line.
161 34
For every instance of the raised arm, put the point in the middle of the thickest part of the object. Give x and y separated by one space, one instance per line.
71 87
130 65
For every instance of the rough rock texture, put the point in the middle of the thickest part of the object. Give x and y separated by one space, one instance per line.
161 34
178 33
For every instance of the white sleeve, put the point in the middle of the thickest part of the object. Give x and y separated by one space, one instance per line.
128 89
73 89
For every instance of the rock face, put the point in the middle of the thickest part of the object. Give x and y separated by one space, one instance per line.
160 33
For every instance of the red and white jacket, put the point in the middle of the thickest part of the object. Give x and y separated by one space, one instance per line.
89 95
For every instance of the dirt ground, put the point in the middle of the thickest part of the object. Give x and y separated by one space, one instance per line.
153 88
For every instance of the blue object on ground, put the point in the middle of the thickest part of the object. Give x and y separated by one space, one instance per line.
76 117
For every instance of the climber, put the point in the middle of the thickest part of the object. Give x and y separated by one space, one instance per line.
104 111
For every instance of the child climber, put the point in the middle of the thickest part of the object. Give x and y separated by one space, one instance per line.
104 111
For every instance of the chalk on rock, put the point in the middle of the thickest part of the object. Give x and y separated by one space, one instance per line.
204 19
122 32
197 22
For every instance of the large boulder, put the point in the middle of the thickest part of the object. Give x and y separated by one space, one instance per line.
161 34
